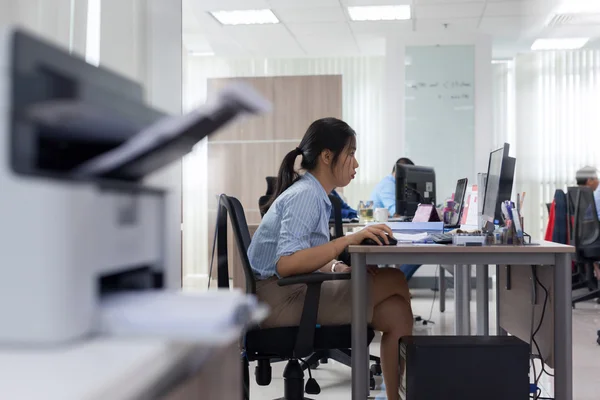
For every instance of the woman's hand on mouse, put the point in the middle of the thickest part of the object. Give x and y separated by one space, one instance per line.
373 232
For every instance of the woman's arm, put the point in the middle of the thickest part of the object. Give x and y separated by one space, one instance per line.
316 258
312 259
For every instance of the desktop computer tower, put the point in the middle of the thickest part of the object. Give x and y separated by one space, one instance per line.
464 368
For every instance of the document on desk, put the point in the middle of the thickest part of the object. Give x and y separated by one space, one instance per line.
197 317
411 237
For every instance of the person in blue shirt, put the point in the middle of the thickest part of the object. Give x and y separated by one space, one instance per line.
384 196
293 238
347 211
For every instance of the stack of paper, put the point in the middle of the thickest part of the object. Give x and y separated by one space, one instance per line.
175 315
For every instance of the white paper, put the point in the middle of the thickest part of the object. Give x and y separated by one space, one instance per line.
411 237
175 315
242 95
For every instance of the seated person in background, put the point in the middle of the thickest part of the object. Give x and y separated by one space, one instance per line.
384 196
347 211
588 176
293 239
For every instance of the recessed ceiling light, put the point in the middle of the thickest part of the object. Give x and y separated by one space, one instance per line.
379 13
245 17
559 44
578 7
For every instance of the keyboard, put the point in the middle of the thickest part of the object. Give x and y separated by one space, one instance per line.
441 238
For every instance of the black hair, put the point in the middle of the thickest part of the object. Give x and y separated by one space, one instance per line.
404 161
324 134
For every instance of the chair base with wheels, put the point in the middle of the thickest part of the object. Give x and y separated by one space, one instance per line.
343 356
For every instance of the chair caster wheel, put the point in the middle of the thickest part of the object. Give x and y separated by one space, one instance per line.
376 369
315 365
372 383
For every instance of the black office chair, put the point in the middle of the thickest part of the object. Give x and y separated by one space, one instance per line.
286 343
585 234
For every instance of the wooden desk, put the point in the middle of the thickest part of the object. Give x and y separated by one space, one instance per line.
512 305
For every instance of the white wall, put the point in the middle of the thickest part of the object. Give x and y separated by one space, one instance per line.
142 40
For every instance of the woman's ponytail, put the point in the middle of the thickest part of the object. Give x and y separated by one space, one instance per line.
286 177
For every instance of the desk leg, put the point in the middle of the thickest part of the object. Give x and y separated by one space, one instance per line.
462 321
563 329
442 287
360 351
483 299
499 330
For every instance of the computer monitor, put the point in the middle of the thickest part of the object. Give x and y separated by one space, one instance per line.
498 188
459 200
414 185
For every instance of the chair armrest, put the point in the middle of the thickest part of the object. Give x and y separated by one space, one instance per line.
312 278
308 320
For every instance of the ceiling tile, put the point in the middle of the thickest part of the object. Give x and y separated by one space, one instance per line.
338 29
265 40
512 8
351 3
380 27
275 4
467 10
228 5
371 45
506 26
307 15
447 24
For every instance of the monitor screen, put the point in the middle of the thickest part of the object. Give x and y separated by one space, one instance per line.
492 187
414 185
459 199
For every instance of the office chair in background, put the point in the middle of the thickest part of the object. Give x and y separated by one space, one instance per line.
585 236
292 343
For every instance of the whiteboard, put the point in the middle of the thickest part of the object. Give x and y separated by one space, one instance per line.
440 119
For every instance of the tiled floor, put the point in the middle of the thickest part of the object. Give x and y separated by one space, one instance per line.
334 378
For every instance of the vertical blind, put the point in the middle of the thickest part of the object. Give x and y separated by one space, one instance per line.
556 109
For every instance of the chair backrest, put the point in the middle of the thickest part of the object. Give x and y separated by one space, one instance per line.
262 201
586 227
271 181
561 228
336 204
231 206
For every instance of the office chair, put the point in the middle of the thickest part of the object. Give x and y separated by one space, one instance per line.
585 235
292 343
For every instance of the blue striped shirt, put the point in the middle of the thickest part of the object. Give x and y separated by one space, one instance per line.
297 220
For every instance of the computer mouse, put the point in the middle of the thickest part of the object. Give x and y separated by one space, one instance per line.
370 242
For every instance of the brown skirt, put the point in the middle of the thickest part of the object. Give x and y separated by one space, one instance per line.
286 303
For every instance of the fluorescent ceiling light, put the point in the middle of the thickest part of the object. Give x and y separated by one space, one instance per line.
579 7
379 13
245 17
201 53
559 44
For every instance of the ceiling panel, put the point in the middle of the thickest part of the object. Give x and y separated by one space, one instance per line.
374 2
370 45
228 5
506 26
267 40
447 24
303 3
307 15
512 8
380 27
466 10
